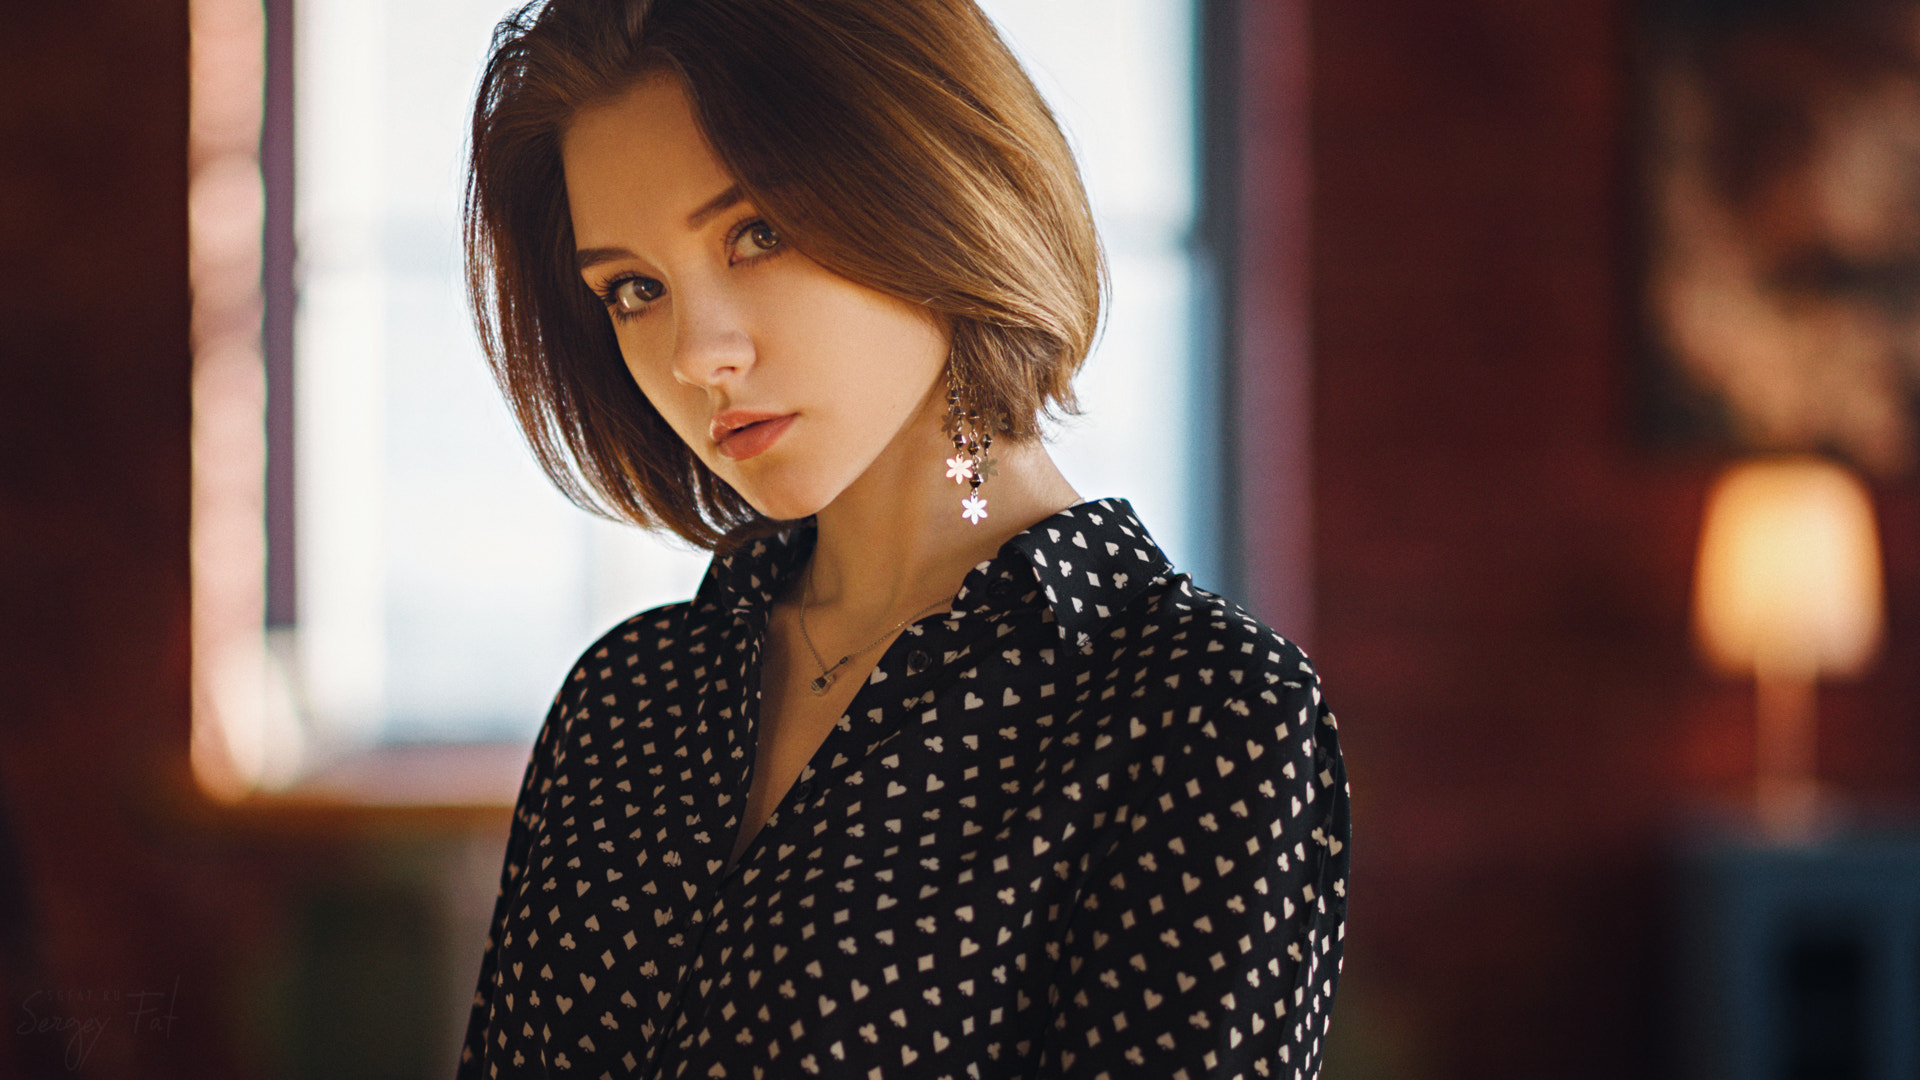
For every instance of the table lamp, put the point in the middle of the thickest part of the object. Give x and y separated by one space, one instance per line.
1788 589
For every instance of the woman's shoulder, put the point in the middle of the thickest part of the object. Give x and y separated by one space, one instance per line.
1198 662
645 641
1182 628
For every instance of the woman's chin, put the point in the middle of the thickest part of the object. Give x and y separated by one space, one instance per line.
786 505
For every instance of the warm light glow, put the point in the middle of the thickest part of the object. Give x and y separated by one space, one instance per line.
237 743
1789 580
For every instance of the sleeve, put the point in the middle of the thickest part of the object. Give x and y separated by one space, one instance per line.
1208 941
526 819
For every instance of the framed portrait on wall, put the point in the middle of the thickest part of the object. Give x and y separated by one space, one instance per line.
1780 188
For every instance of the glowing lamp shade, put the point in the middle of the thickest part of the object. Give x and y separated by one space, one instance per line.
1789 571
1787 589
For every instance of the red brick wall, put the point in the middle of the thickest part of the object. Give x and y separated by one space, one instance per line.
93 510
1503 564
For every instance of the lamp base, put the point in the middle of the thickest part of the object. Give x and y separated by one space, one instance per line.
1790 809
1788 795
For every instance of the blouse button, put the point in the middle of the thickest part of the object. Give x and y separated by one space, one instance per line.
803 791
917 661
1003 589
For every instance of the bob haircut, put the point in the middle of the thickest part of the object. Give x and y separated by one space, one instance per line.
896 142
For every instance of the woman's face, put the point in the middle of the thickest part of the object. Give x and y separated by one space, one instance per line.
788 380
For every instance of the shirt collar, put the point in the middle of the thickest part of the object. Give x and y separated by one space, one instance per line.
1087 562
747 580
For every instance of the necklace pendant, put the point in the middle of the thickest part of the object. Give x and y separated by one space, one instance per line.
820 683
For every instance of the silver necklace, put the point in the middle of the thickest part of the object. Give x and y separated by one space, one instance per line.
829 672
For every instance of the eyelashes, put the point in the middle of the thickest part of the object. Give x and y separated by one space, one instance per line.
628 296
751 241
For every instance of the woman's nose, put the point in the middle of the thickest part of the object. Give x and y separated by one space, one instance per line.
711 342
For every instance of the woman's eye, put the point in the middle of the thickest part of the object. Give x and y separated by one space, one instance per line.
630 296
757 238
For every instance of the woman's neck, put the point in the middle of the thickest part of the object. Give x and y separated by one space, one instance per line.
895 541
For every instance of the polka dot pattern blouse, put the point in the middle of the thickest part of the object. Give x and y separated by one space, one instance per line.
1091 823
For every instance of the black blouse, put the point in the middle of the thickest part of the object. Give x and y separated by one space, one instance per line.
1091 822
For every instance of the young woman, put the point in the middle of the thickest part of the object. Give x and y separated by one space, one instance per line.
944 771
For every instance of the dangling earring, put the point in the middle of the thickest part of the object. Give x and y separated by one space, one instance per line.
972 463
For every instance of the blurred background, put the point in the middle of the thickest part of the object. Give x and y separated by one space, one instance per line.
1483 299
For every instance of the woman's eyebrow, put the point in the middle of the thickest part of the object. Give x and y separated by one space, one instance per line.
714 205
586 258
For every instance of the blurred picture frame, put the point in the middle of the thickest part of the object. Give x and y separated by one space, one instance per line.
1779 192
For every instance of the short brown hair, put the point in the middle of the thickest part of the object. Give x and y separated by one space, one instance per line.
897 142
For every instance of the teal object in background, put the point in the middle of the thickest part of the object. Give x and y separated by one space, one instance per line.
1801 962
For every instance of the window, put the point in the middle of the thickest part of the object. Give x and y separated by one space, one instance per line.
439 586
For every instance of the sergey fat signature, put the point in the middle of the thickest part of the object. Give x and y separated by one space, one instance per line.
148 1011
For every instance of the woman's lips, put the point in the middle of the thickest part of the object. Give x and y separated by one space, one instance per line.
739 437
